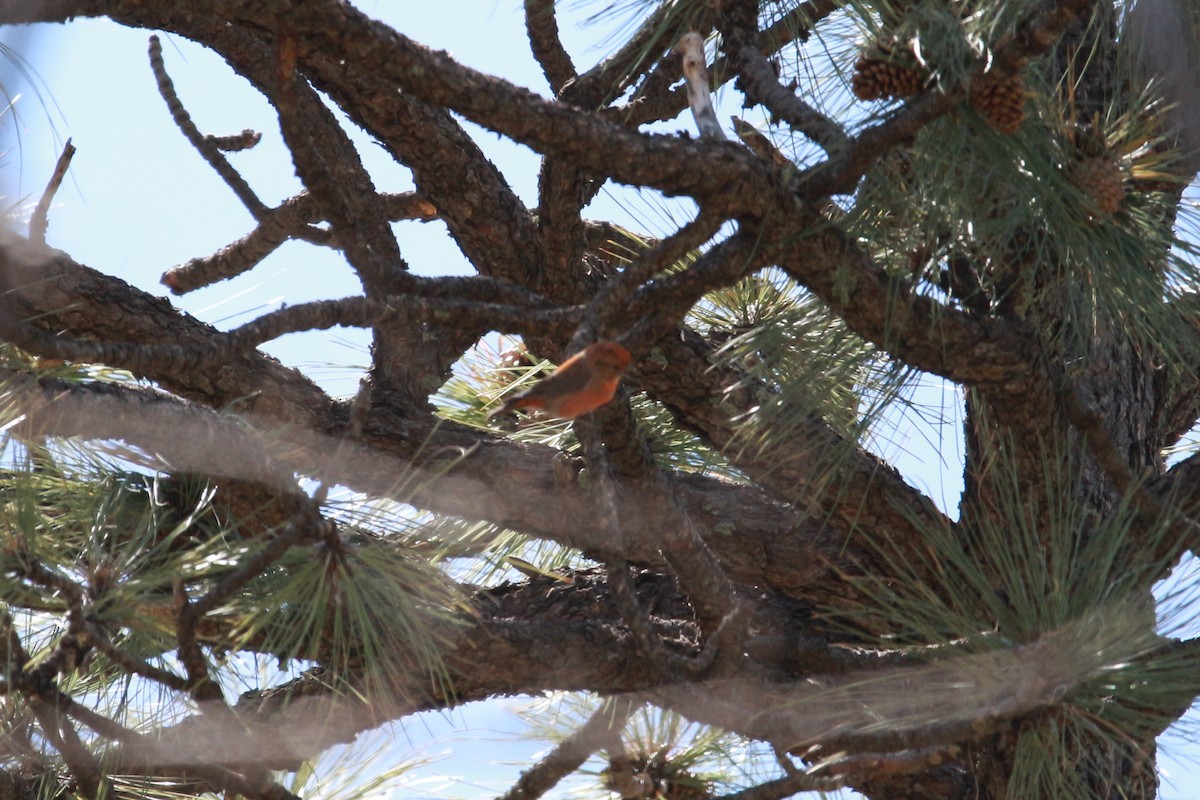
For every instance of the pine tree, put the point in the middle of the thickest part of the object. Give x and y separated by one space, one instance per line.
718 585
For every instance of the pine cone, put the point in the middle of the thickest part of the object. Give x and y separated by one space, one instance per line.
876 76
1102 179
512 363
1002 105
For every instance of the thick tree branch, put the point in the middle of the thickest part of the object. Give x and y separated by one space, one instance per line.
541 24
512 485
22 267
887 311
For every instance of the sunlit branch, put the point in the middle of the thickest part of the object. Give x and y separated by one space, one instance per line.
39 219
695 74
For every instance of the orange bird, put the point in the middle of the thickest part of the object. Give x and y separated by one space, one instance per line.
582 383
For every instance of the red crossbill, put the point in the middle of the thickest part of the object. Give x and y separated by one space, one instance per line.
582 383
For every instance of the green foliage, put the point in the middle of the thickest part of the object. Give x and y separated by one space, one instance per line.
124 545
1034 608
371 612
786 341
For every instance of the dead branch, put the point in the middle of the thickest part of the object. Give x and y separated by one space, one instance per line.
695 72
39 221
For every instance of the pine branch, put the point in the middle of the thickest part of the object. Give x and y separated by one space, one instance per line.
1035 36
570 754
614 296
45 286
915 329
563 271
541 24
207 149
328 164
62 735
512 484
293 219
485 217
188 437
739 29
360 312
784 787
731 176
405 359
721 615
36 685
132 664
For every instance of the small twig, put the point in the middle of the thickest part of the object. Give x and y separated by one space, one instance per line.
301 525
570 753
292 219
131 663
39 221
236 142
759 81
206 147
615 294
695 72
201 687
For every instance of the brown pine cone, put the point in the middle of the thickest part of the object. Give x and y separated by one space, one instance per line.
1100 178
875 77
1002 105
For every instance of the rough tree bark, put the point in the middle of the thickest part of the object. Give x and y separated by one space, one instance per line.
729 613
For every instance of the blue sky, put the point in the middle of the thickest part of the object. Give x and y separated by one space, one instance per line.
139 200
